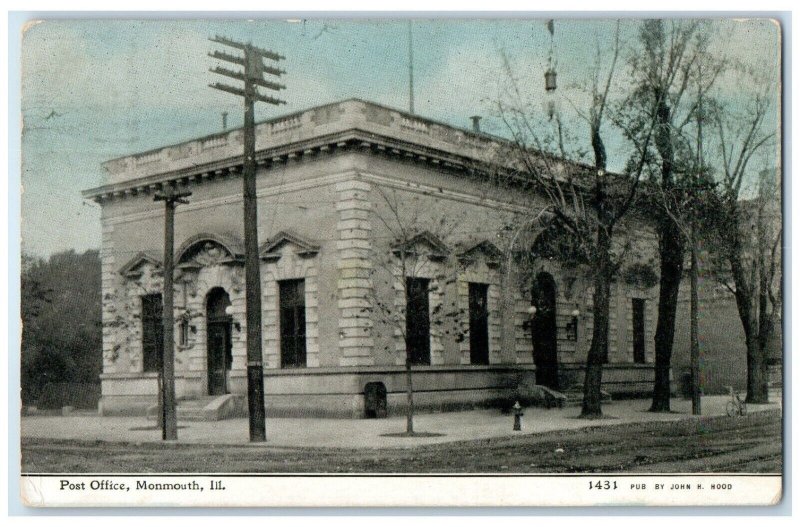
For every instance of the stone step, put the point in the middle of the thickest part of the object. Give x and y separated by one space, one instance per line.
537 395
200 402
207 408
574 396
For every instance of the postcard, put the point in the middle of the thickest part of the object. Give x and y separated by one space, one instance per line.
341 261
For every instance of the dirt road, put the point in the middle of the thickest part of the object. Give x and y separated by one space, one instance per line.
717 444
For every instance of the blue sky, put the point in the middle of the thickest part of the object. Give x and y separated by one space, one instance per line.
124 86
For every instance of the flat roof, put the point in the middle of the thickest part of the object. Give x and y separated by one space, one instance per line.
329 126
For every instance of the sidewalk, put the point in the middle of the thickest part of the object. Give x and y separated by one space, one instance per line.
365 433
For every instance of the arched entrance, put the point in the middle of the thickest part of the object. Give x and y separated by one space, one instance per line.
218 341
544 331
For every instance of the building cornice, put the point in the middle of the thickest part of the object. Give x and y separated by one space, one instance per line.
351 140
331 128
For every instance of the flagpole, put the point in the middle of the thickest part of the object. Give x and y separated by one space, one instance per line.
410 69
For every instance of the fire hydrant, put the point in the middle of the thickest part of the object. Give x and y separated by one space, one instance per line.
518 413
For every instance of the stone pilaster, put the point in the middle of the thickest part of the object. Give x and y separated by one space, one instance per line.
495 321
523 344
463 302
399 287
269 305
354 265
110 308
435 300
615 353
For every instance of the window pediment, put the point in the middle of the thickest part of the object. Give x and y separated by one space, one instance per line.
134 267
484 250
208 249
424 243
272 250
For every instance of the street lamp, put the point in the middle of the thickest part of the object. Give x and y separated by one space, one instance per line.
550 80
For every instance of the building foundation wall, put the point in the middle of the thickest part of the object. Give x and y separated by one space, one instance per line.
334 392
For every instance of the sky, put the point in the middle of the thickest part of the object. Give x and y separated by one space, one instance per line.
94 90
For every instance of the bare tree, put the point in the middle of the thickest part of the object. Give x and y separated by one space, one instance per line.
416 262
685 200
587 202
663 67
748 230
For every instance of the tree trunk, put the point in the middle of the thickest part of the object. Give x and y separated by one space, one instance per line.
766 322
671 247
598 351
757 389
695 339
765 331
756 362
409 399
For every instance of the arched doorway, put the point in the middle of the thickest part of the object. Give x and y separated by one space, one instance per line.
544 331
218 341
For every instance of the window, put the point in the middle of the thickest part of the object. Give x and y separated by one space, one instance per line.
292 323
418 323
638 308
478 324
152 333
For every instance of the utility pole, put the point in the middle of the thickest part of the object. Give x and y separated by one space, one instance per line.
410 70
169 418
694 330
252 76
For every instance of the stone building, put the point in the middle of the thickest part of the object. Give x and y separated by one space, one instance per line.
347 193
723 345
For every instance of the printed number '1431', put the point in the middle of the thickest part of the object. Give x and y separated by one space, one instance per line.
602 485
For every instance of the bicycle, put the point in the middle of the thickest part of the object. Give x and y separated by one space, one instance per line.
736 406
